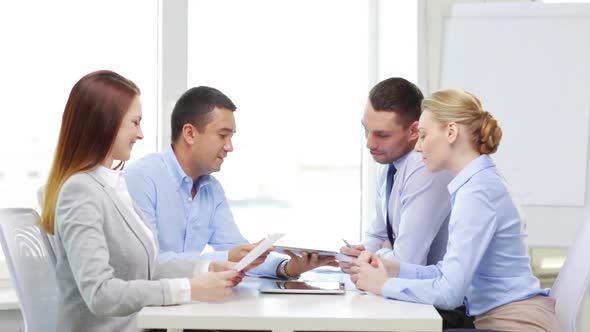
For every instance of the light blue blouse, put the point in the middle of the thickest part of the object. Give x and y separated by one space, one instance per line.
486 263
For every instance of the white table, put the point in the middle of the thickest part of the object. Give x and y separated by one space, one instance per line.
247 309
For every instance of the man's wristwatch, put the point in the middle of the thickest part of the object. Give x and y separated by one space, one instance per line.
282 270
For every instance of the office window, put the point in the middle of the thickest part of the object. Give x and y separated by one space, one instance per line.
47 47
298 73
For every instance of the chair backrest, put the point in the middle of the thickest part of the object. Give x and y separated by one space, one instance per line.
571 286
49 242
48 239
31 270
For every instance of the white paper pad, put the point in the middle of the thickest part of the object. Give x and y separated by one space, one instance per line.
257 251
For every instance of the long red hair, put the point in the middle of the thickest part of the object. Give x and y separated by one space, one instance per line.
90 122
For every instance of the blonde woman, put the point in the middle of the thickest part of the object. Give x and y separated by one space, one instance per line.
486 263
107 267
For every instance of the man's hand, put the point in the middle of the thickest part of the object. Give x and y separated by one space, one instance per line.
212 286
370 276
237 253
299 264
353 251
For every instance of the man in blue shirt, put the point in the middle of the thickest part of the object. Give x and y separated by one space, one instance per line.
412 204
185 203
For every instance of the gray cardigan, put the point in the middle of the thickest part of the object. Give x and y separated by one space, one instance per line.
106 267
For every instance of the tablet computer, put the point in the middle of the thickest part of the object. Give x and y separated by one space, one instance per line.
298 251
301 287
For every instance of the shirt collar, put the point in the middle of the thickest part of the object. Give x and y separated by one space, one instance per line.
475 166
399 162
110 176
178 173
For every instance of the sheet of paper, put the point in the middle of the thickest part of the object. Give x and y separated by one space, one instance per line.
298 251
258 250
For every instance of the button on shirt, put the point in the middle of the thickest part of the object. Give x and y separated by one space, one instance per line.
419 209
185 225
486 263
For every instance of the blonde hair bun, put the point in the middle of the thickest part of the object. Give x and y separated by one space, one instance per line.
490 134
465 108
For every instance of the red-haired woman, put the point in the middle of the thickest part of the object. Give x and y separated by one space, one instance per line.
107 267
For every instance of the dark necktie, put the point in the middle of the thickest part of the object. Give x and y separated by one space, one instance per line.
389 186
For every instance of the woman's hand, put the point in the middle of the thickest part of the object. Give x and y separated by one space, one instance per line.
220 266
369 275
391 266
213 286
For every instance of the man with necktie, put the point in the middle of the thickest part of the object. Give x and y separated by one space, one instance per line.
412 205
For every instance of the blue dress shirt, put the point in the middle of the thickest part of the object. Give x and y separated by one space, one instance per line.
486 264
419 209
185 225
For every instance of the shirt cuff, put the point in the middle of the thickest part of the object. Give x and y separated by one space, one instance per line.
385 253
407 271
201 268
268 268
180 290
390 289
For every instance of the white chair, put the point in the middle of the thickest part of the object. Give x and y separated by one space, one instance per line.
31 270
48 239
571 286
49 242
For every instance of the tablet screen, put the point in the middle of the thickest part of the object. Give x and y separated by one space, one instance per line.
302 287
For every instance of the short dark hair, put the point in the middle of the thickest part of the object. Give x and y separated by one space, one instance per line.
397 95
195 107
